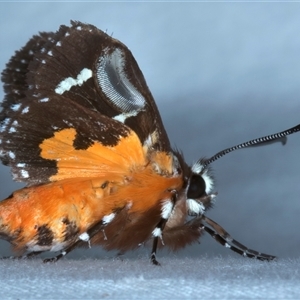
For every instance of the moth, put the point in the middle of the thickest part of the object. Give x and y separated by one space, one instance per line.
80 127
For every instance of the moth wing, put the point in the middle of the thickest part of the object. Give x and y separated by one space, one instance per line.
79 79
42 145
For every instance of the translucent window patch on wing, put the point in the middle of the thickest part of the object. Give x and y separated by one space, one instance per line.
116 85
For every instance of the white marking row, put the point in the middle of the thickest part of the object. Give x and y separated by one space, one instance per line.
66 84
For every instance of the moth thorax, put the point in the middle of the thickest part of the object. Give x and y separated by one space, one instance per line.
165 164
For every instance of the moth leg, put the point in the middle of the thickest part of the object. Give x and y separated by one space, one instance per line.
57 257
84 237
166 210
31 254
157 233
224 238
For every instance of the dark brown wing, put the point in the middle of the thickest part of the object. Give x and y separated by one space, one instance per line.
78 77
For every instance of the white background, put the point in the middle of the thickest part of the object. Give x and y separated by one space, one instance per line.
221 74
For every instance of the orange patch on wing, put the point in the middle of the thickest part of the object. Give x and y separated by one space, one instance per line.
135 177
96 161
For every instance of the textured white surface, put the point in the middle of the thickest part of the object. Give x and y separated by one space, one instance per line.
186 278
221 73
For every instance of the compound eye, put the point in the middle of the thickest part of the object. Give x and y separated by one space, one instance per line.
196 188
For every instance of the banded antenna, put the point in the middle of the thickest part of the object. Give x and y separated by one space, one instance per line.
256 142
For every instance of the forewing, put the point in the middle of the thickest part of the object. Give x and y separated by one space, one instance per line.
78 78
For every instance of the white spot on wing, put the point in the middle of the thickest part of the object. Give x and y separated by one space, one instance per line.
11 155
16 107
58 44
25 110
122 117
107 219
24 174
44 100
66 84
4 125
68 123
21 165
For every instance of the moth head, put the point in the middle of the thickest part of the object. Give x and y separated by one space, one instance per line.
199 188
198 192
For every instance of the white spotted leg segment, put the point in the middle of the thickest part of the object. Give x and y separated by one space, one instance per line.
166 211
224 238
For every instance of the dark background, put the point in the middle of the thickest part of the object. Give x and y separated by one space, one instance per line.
221 74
